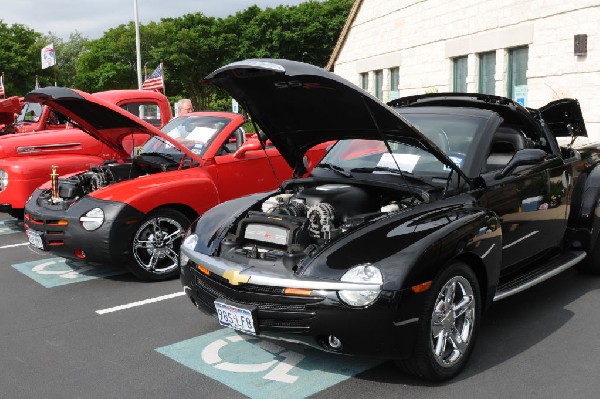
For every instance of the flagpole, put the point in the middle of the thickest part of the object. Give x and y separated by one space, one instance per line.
162 68
2 84
137 45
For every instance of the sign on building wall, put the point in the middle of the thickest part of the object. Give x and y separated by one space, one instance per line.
520 95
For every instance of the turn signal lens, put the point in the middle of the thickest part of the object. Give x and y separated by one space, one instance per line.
417 289
203 270
297 291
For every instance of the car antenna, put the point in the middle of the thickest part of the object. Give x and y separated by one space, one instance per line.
262 144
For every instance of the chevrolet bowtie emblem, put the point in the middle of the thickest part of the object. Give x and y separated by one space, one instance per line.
234 277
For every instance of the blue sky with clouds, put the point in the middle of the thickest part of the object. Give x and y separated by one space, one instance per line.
92 17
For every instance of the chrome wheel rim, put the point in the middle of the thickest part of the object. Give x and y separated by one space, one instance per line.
156 245
452 321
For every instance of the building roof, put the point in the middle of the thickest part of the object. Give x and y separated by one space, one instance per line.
344 34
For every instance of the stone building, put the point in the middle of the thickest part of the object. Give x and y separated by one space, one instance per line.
533 51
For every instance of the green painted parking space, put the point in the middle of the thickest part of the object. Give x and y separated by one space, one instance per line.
53 272
261 368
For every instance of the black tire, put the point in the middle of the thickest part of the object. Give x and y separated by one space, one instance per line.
591 263
436 357
16 213
155 245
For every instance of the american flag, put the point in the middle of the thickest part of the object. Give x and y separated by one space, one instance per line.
154 81
2 92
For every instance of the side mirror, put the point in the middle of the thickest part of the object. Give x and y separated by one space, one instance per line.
247 146
528 156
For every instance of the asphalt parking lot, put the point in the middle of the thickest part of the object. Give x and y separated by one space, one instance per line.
70 331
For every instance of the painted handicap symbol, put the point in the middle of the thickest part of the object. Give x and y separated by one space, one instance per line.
11 226
210 355
260 368
53 272
71 272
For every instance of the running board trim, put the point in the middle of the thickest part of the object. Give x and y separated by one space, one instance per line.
542 277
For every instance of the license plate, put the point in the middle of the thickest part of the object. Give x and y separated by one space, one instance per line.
35 239
236 317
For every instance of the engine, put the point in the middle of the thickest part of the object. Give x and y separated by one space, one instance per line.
72 188
291 225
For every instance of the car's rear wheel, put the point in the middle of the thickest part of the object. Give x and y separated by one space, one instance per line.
591 263
156 245
448 325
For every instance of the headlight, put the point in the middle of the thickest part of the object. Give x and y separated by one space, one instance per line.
189 242
92 219
3 179
361 274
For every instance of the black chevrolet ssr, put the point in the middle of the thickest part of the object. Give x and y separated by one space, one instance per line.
424 212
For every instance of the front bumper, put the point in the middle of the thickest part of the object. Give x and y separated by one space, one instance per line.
385 329
63 235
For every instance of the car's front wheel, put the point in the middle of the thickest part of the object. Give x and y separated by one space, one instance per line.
448 325
156 245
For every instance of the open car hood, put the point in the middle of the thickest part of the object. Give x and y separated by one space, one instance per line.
104 121
299 105
563 117
8 108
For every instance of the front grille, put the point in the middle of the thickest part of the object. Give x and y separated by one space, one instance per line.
213 293
53 230
259 289
275 311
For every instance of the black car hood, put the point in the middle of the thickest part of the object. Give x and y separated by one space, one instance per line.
299 105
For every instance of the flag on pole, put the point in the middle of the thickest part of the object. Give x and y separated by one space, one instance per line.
154 81
2 92
48 56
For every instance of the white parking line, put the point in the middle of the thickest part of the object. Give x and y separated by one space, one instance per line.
14 245
140 303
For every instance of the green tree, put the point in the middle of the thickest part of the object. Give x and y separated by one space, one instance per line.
19 58
67 54
109 62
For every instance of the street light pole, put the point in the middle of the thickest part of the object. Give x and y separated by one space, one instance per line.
137 44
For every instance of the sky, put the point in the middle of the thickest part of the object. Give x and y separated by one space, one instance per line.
93 17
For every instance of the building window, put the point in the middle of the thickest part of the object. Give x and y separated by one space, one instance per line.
364 81
394 83
517 74
487 70
379 84
459 75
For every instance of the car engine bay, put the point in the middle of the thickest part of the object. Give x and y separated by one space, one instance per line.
73 188
290 226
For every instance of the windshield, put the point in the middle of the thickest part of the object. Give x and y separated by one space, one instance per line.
194 132
30 112
453 134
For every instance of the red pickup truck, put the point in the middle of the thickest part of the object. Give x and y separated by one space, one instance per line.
26 158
